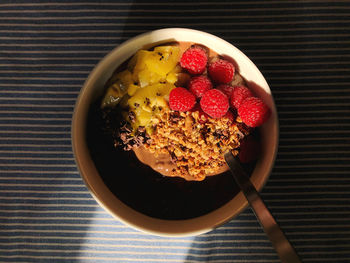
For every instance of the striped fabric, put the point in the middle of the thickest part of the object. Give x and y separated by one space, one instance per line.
48 48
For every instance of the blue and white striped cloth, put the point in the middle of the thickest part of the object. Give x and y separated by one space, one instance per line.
48 48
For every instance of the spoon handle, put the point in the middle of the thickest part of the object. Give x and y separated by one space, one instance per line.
279 241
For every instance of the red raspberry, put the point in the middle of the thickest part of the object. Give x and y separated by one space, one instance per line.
180 99
203 117
226 89
214 103
239 93
221 71
199 85
249 150
194 60
253 112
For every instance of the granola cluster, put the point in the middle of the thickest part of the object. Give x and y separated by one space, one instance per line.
195 147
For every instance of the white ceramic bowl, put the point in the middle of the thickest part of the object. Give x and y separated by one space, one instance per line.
94 87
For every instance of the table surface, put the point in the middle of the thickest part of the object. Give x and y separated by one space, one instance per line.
48 48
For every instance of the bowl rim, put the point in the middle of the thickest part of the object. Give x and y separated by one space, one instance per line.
129 216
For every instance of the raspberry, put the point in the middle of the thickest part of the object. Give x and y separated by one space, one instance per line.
226 89
194 60
253 112
180 99
239 93
249 150
199 85
214 103
203 117
221 71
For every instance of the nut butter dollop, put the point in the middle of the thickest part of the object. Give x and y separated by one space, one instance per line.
163 164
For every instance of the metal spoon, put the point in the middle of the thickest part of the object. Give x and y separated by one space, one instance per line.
279 241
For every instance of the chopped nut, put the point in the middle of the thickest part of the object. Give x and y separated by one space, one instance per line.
188 124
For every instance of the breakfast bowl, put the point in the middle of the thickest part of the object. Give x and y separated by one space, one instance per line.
138 195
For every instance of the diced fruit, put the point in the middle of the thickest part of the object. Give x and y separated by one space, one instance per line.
214 103
160 101
199 85
151 67
171 77
146 100
163 59
253 112
132 89
143 117
139 60
149 94
146 107
194 60
177 69
125 78
180 99
147 77
221 71
111 98
239 93
152 78
118 89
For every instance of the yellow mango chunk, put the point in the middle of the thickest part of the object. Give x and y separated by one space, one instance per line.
163 59
145 85
125 78
143 117
177 69
132 89
171 77
140 65
148 95
150 67
160 102
146 102
118 89
147 77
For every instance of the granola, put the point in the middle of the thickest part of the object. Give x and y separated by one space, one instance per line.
196 148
